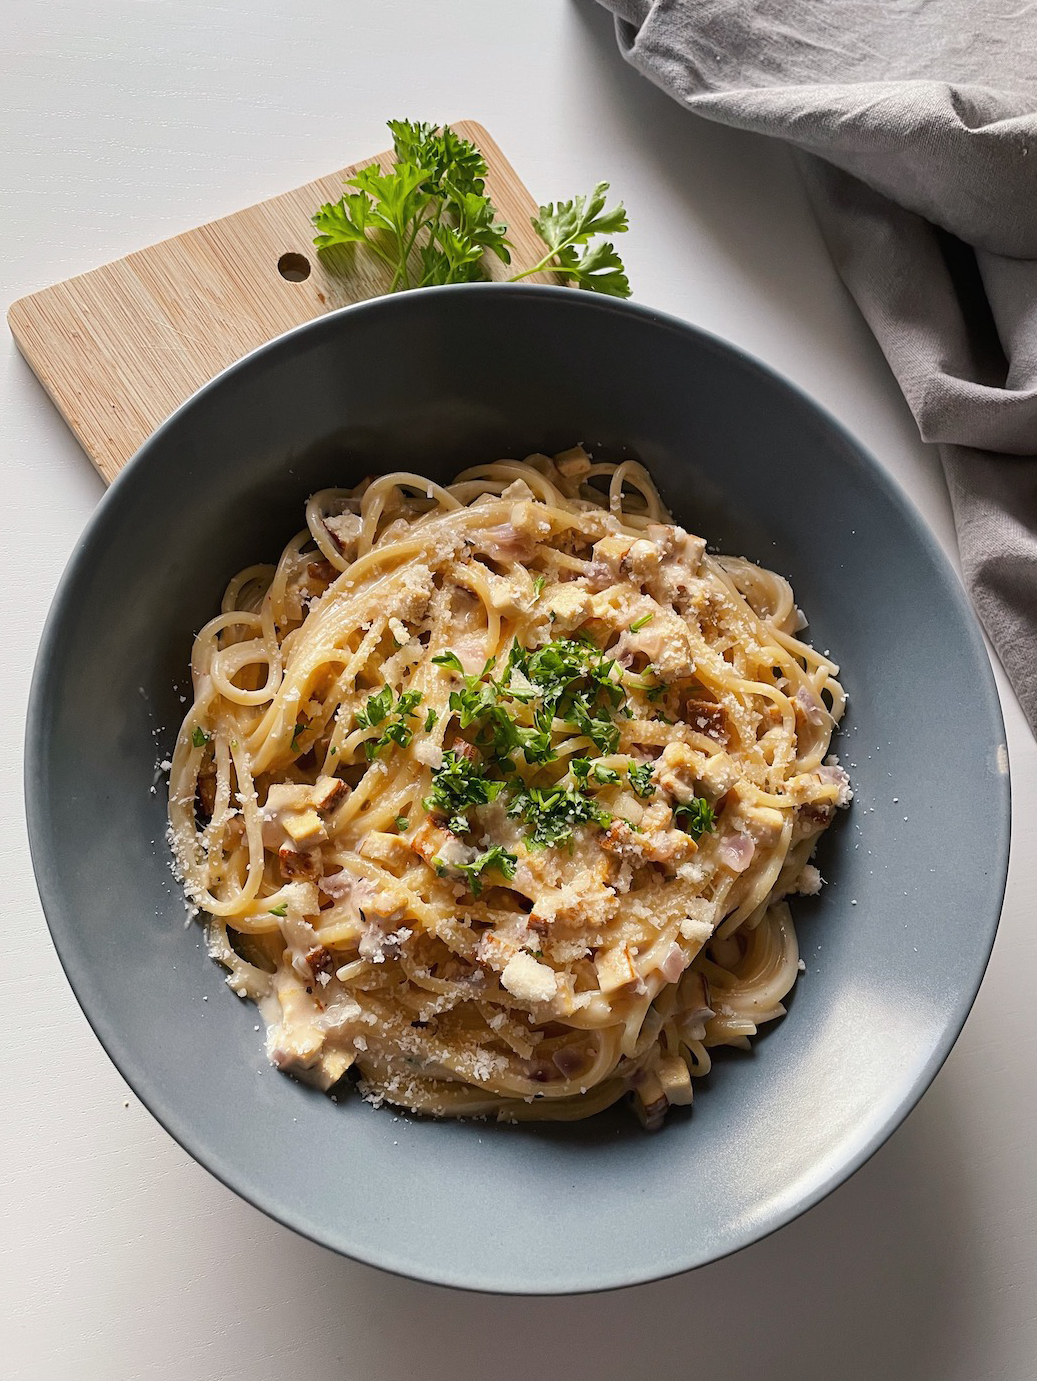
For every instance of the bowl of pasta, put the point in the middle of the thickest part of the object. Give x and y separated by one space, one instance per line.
524 698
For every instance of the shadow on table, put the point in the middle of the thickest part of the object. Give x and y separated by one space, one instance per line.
869 1284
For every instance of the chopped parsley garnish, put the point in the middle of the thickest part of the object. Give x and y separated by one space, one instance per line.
642 622
641 779
381 710
281 910
457 786
696 818
295 737
554 812
575 682
430 720
538 586
568 680
378 706
583 770
402 823
497 858
199 738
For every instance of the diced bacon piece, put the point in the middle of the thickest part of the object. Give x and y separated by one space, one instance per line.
496 951
573 463
569 1060
205 794
305 829
505 543
328 794
320 961
296 864
650 1101
615 968
610 551
811 818
763 823
709 718
439 848
674 1079
570 604
676 542
697 1000
643 558
344 527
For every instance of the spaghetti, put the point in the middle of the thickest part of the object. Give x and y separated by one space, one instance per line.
493 792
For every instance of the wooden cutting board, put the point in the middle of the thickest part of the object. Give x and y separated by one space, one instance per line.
119 348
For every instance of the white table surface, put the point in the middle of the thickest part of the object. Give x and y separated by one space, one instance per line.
124 121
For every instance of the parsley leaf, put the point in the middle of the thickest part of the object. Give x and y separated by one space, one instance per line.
199 738
641 779
449 659
697 817
281 910
538 586
430 720
402 823
294 748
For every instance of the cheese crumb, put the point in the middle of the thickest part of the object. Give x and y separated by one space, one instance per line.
529 980
808 884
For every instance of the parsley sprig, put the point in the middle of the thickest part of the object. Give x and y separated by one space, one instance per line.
430 220
572 225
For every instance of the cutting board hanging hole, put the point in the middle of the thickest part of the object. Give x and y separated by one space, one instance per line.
294 267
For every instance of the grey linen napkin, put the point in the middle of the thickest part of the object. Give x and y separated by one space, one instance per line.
916 121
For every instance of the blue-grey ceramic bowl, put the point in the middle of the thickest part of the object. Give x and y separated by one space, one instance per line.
895 946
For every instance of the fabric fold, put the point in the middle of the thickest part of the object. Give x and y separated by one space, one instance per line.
916 126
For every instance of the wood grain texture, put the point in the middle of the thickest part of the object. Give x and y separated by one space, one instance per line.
120 348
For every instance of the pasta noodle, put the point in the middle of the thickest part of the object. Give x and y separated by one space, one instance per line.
492 793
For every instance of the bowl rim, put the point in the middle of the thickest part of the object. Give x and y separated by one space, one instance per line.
61 928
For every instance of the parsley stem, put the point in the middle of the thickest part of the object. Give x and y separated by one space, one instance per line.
386 259
544 262
537 268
